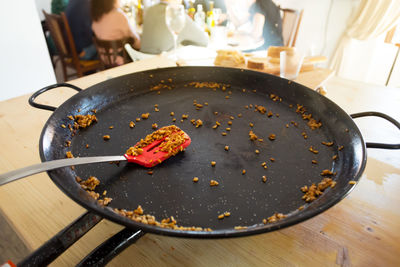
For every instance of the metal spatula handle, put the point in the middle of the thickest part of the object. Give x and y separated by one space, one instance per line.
54 164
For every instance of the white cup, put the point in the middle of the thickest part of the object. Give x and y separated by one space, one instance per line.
290 64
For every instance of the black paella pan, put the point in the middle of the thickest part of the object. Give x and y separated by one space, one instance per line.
235 98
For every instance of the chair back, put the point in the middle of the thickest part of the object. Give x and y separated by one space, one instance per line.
62 36
291 20
112 53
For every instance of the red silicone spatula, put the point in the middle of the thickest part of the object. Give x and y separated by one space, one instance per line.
154 149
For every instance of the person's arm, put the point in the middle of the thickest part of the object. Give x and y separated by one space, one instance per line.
258 26
129 31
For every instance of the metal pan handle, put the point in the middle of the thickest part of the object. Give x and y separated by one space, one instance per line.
54 247
384 116
47 88
106 251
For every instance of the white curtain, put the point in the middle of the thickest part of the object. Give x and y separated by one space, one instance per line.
373 18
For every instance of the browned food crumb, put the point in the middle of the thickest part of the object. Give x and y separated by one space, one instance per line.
304 135
154 126
93 194
277 115
104 192
111 127
63 126
215 126
295 124
260 140
106 137
311 193
185 116
251 124
228 129
229 122
260 109
264 178
90 183
312 123
172 114
275 98
301 207
69 154
218 123
243 171
311 149
240 227
72 167
195 179
226 148
270 114
272 159
137 119
87 145
257 151
290 105
68 143
145 116
264 164
213 183
239 115
213 163
131 124
334 157
314 161
193 121
205 104
156 105
231 117
340 148
287 125
227 214
252 136
272 137
174 120
274 218
352 182
227 97
199 106
224 133
175 138
78 179
139 216
138 210
70 117
158 92
243 90
215 112
246 107
327 143
150 172
83 121
156 109
221 216
326 172
199 123
105 201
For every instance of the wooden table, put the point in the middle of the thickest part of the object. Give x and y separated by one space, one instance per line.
362 230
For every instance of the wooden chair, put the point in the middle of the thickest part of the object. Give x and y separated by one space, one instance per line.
65 44
291 20
112 53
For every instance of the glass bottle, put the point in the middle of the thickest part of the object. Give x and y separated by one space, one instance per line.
200 17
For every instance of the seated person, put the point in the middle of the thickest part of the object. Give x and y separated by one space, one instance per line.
267 23
78 15
156 36
262 21
110 22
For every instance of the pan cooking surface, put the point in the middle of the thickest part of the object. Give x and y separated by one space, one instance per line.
170 191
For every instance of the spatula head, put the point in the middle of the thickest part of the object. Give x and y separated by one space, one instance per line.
168 141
